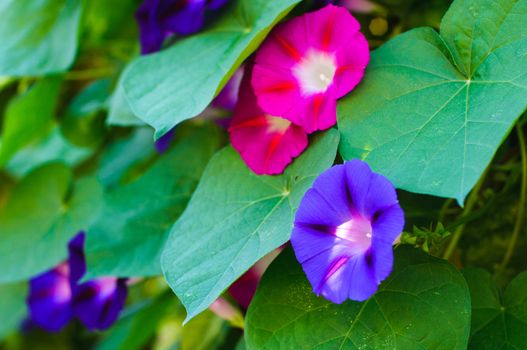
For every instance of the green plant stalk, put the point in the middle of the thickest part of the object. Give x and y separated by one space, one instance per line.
521 209
471 201
444 209
95 73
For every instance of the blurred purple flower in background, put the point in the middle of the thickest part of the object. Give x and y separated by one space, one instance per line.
56 296
163 143
344 231
159 19
244 288
98 303
360 6
228 96
50 298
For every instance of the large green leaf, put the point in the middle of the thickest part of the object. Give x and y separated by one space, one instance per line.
120 112
12 307
38 36
28 117
424 304
433 108
176 84
127 237
233 219
498 321
42 213
122 154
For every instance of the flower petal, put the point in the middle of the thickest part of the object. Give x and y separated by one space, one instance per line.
266 143
285 46
189 19
216 4
276 88
326 203
351 64
244 288
317 112
358 179
386 227
77 264
98 303
151 33
163 143
360 274
49 299
228 96
331 28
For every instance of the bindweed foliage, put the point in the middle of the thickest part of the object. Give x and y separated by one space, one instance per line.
263 174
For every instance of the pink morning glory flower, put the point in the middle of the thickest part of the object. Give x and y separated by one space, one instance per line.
244 288
266 143
309 62
344 231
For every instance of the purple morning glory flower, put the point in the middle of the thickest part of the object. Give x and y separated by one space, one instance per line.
56 296
361 6
49 298
97 303
76 259
158 19
344 231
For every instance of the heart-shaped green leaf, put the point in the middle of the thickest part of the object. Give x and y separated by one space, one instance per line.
38 36
127 237
498 321
433 108
166 88
235 218
424 304
42 213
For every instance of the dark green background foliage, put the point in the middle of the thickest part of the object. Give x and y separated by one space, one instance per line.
439 113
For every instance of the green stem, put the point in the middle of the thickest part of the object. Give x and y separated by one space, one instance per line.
444 209
521 209
89 74
471 202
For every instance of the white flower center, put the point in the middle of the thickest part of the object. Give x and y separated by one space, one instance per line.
277 124
357 231
315 72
